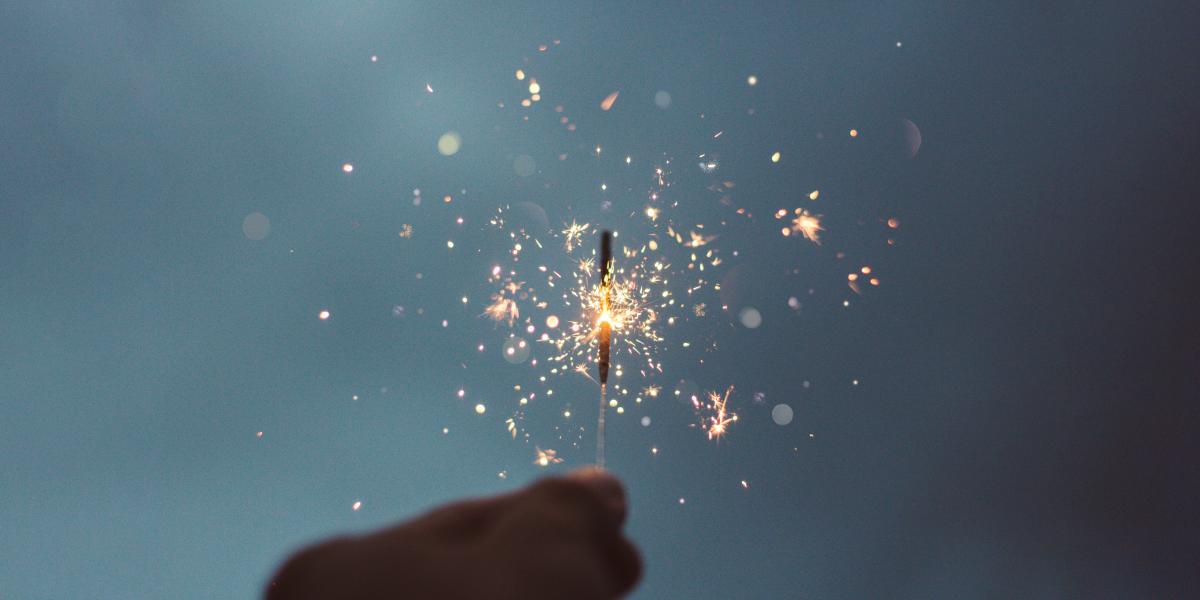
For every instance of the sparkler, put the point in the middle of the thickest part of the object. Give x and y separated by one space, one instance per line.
605 337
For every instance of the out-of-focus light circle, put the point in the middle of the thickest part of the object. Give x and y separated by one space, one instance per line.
347 168
552 321
750 317
752 80
480 409
662 99
794 303
912 137
685 390
524 165
645 421
256 226
781 414
515 350
449 143
323 315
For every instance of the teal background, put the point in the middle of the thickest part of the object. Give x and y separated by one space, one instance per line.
1025 422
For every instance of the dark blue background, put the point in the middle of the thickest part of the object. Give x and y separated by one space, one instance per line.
1025 422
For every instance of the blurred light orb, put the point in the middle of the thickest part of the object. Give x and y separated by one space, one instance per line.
685 391
912 137
323 315
752 80
515 350
662 99
347 168
781 414
480 409
552 321
750 317
524 165
256 226
794 303
646 421
449 143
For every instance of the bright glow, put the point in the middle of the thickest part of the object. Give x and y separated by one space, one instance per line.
449 143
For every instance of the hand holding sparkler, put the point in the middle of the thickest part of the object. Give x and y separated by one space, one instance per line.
558 538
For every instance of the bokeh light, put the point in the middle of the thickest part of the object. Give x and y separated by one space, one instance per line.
750 317
781 414
449 143
256 226
662 99
524 165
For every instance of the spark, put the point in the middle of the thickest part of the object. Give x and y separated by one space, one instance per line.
573 234
586 265
716 418
699 239
545 458
502 308
406 231
609 100
808 225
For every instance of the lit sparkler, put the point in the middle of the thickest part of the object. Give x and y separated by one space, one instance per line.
605 323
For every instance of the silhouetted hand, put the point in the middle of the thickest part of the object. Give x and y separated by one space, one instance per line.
557 538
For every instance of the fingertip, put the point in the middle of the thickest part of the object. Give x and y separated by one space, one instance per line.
606 486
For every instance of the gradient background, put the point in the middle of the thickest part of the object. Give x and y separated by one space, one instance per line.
1025 423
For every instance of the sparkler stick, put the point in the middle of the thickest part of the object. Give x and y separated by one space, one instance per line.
605 337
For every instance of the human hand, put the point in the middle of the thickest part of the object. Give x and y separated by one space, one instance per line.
557 538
